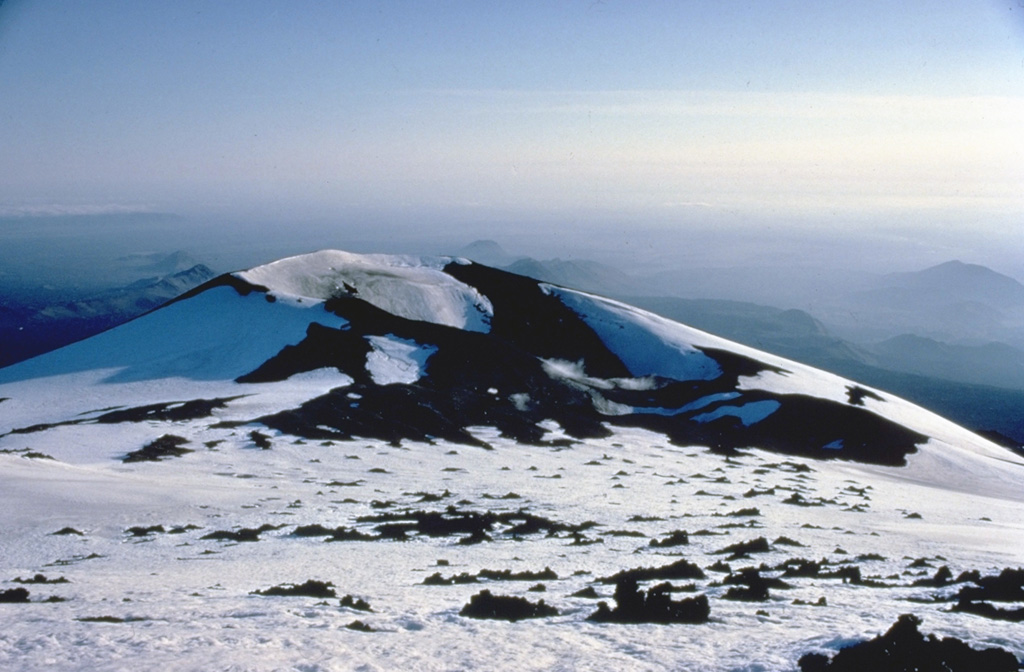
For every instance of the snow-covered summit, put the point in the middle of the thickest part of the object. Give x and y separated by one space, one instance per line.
445 345
416 288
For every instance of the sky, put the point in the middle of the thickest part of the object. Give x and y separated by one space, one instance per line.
894 118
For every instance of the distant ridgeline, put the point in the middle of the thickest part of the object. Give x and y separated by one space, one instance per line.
536 352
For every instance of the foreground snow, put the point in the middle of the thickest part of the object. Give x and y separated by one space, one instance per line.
186 602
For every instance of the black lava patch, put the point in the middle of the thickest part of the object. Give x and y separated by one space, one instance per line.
311 588
170 411
903 647
167 445
655 605
500 379
499 607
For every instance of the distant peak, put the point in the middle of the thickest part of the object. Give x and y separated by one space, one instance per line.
956 268
956 264
486 252
489 245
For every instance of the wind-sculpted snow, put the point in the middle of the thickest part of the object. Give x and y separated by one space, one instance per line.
646 344
411 287
231 481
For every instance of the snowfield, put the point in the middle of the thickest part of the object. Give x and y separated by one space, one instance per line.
402 484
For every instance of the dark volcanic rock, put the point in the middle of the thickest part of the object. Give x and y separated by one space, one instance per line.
167 445
310 588
475 524
942 577
991 611
681 569
359 626
633 605
737 550
535 321
802 568
14 595
750 586
508 575
856 395
499 607
676 538
144 531
1007 586
440 405
167 412
354 603
904 649
40 578
242 534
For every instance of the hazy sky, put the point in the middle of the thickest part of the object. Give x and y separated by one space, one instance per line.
837 114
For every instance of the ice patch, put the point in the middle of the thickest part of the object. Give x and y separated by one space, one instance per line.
521 401
749 414
396 360
606 407
573 371
325 374
635 384
692 406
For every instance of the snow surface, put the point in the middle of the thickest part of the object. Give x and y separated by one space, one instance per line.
185 603
412 287
646 344
396 360
215 335
187 350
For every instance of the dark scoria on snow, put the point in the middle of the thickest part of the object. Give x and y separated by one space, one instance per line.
503 379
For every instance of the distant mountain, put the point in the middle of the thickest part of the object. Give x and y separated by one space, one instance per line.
27 331
119 305
790 333
590 276
158 264
989 364
487 252
953 303
956 282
